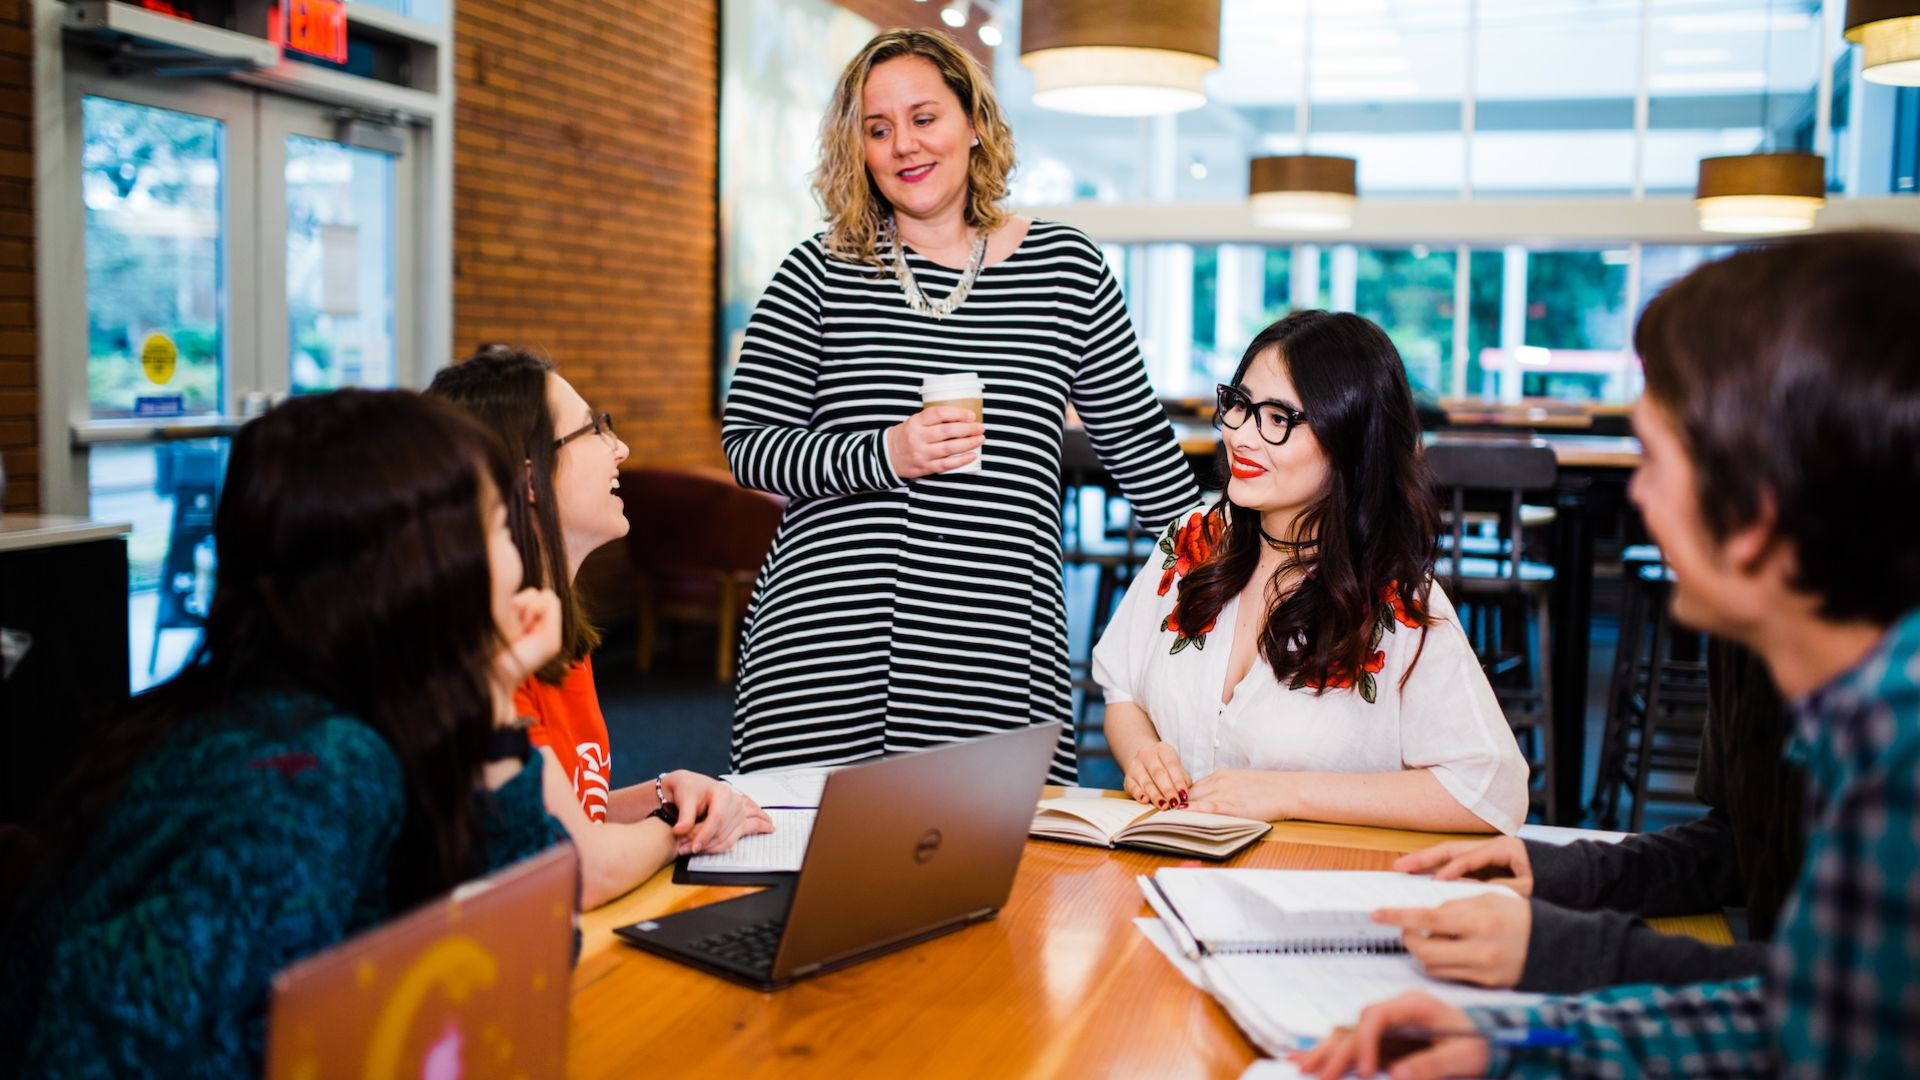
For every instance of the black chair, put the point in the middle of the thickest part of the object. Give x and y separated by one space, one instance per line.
1502 596
1114 548
192 472
1656 701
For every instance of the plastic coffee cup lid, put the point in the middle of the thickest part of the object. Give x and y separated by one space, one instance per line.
961 384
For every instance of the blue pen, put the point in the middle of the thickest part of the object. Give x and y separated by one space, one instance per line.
1511 1038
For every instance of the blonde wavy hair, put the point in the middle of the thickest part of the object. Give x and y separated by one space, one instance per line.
857 214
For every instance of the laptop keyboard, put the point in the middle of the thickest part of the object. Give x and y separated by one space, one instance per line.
751 946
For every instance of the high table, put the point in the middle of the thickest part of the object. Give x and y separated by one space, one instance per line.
1060 984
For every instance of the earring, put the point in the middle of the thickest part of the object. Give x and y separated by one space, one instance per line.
976 140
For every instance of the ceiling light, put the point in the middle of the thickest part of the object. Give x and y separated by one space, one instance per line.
1888 33
1105 59
990 34
1302 191
1761 193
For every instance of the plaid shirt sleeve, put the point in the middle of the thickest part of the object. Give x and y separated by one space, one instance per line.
1843 1000
1710 1030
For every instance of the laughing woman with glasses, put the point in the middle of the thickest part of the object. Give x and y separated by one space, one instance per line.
1286 653
568 508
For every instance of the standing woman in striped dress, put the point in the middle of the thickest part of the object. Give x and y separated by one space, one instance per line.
905 604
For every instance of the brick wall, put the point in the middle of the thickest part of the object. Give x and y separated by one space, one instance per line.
583 208
19 377
584 218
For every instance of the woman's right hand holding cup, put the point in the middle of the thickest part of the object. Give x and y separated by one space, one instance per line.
936 439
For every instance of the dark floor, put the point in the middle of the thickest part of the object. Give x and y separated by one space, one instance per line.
678 717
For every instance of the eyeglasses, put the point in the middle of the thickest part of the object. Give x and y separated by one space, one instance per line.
1268 416
599 425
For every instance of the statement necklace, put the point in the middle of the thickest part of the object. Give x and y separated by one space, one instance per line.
918 300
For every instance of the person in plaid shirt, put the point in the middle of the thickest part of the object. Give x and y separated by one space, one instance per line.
1781 427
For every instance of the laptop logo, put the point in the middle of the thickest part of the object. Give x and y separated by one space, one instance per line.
928 844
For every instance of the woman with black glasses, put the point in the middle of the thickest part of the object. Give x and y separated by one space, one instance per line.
1286 654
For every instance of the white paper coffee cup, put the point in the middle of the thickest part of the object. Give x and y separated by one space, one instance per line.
961 390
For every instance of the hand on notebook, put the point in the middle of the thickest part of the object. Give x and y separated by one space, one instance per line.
1260 794
1155 777
1481 940
1502 855
712 814
1357 1049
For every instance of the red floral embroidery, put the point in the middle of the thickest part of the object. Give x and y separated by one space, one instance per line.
1192 545
1183 549
1399 608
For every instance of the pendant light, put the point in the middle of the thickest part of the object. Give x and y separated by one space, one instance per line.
1764 192
1120 57
1303 191
1888 33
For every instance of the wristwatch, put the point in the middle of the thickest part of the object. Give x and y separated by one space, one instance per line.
508 744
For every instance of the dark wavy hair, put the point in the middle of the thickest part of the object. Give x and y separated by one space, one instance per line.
506 390
1372 526
353 568
1792 371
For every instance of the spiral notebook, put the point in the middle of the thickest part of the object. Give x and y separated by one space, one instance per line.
1291 954
1211 912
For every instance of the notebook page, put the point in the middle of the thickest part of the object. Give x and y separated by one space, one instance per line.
1281 999
1107 815
1250 907
788 788
785 848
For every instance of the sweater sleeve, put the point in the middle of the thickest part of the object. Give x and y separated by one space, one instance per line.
1569 952
1683 870
514 821
766 427
1124 421
176 966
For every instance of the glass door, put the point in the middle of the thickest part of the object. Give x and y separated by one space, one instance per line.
239 246
341 253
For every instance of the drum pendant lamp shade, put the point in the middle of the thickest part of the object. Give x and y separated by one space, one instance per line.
1302 191
1888 33
1761 193
1120 57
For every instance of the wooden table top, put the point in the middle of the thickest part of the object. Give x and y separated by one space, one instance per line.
1060 983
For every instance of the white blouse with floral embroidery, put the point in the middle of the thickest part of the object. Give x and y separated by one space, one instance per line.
1444 718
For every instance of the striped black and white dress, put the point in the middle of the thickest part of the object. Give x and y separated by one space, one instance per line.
896 615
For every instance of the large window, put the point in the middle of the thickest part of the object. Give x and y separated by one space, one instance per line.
1524 322
1494 98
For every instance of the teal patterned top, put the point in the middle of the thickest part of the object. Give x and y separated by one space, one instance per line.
245 841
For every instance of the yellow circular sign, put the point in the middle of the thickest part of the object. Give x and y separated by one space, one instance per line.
157 357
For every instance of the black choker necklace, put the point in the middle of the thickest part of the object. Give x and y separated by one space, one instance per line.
1282 545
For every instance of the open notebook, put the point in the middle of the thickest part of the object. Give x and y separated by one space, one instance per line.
1125 823
1292 954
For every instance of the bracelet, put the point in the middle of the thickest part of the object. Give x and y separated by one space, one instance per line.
666 811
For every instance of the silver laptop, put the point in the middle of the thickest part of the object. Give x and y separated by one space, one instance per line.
903 849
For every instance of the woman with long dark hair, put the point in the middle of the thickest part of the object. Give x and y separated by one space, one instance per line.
339 747
565 505
1286 653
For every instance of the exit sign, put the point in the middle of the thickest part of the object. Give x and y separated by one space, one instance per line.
318 28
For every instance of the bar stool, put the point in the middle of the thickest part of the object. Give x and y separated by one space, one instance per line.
1503 597
1656 700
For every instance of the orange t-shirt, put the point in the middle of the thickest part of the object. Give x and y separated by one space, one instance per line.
567 720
